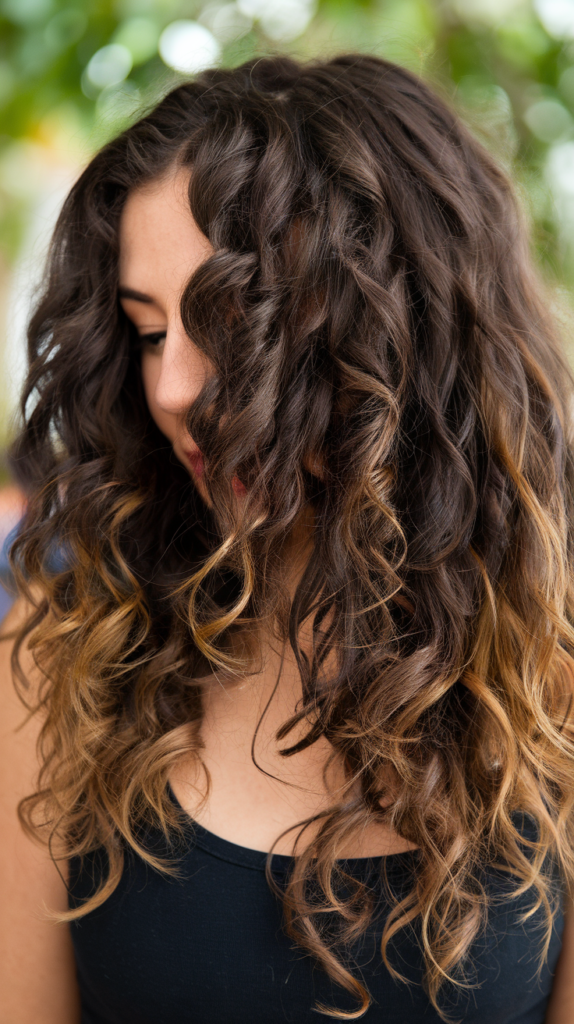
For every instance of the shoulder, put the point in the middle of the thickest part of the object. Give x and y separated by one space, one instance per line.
12 707
26 679
37 974
20 720
20 612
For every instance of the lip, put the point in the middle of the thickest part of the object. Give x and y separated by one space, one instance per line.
195 460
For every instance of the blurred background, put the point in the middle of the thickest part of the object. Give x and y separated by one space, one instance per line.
74 72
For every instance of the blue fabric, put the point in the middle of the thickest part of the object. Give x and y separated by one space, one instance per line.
57 561
210 949
7 588
6 600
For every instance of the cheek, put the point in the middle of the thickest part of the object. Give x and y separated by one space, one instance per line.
150 371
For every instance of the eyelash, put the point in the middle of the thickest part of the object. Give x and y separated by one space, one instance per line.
152 339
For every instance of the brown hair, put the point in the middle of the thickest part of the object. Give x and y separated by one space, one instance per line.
370 301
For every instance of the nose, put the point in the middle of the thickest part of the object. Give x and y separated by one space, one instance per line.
183 371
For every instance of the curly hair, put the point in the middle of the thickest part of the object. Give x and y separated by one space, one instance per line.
370 302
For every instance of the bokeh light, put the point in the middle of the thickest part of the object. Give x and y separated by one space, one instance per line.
109 66
188 47
280 19
557 16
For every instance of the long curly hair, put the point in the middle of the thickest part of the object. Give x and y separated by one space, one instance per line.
370 306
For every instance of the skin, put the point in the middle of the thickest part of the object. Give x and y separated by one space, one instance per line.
160 247
37 968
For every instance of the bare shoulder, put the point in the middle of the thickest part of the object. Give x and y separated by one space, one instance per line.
19 612
37 973
17 738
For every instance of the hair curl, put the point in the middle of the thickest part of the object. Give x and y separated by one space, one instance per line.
369 300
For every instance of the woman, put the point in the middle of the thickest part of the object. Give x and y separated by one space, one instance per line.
296 620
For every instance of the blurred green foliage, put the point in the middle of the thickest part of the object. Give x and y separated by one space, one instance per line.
71 73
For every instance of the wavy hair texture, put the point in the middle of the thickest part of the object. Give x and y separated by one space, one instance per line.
369 301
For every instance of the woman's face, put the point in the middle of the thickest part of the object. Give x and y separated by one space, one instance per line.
160 247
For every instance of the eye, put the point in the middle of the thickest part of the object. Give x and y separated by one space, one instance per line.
155 338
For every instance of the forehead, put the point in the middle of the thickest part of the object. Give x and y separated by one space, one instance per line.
160 243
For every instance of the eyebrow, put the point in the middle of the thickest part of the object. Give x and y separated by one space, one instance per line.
130 293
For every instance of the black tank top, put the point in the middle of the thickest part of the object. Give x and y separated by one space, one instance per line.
209 948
